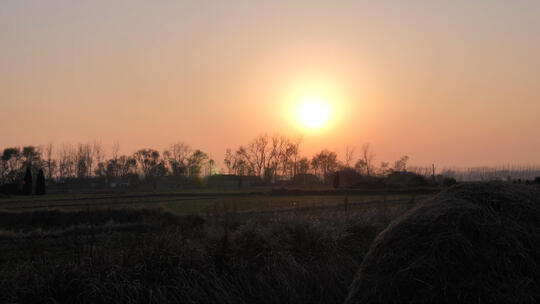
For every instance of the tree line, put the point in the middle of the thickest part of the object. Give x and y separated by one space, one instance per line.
271 158
88 160
278 157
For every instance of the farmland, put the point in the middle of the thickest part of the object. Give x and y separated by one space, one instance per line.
235 247
183 203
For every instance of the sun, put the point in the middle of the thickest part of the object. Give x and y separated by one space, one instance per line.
313 106
313 113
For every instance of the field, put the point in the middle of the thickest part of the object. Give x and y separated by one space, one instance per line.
201 202
198 247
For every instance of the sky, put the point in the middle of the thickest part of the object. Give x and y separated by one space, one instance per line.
455 83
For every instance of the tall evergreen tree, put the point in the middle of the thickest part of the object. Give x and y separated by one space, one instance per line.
27 183
40 183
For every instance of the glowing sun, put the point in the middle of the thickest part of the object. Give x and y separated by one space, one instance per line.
313 113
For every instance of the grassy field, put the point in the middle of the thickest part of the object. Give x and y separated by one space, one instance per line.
202 202
198 247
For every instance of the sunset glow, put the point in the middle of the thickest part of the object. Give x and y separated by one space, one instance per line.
251 151
149 75
314 113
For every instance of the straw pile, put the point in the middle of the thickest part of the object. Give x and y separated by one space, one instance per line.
477 242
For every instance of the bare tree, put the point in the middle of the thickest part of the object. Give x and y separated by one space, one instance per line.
240 166
177 158
244 162
113 167
97 152
210 167
290 157
255 155
326 161
278 158
315 165
32 158
349 155
121 166
66 164
50 163
149 162
266 157
385 168
115 149
12 164
229 161
401 164
303 166
196 161
84 160
365 163
257 150
295 154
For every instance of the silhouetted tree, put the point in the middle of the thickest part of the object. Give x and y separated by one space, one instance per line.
256 154
32 156
177 159
66 162
195 162
365 163
40 183
326 161
210 167
401 164
240 167
50 163
349 156
385 168
229 161
303 166
336 180
84 160
27 182
11 165
271 158
120 166
149 162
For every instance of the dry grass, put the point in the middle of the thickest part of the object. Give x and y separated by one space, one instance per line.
476 243
150 256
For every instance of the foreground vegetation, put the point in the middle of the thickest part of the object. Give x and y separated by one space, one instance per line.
152 256
472 243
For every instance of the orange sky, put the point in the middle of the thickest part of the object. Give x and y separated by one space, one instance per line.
451 83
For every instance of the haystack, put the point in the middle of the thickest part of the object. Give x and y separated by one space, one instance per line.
472 243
